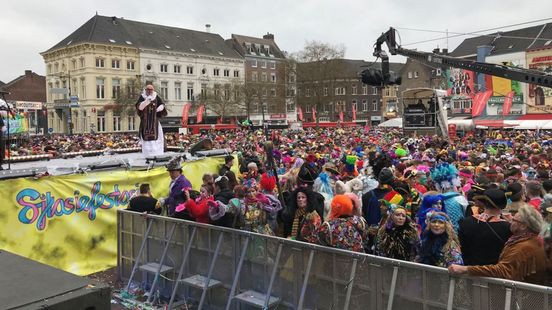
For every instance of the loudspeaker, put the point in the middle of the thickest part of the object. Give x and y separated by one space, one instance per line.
414 120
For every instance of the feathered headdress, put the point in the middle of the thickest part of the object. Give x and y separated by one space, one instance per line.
445 176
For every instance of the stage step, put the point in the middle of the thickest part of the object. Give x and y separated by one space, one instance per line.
153 267
256 299
199 282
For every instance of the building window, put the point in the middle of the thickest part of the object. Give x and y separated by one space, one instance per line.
115 63
82 62
164 68
365 90
354 90
203 91
100 63
130 65
409 74
216 72
165 90
49 71
254 76
364 105
265 92
354 106
415 74
131 90
307 92
263 77
325 91
374 105
226 72
217 91
82 93
116 123
189 70
273 77
100 88
340 91
176 68
131 123
254 63
116 86
272 65
263 64
226 93
273 92
178 91
73 64
190 91
56 67
100 121
374 91
236 73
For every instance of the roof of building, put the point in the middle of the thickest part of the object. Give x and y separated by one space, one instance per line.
508 41
273 52
28 73
120 31
350 68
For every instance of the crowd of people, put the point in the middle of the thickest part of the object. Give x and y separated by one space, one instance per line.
481 205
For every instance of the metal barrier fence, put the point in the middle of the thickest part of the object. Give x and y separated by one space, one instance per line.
220 268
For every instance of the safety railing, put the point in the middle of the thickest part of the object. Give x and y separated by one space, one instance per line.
214 267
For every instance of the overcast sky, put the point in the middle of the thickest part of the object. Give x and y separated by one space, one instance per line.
30 27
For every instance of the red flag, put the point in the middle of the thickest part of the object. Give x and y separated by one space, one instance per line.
341 115
185 113
354 112
479 102
200 113
508 103
314 113
300 113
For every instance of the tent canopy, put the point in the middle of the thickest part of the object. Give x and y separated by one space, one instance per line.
394 122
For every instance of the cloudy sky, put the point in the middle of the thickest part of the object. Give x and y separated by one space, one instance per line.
30 27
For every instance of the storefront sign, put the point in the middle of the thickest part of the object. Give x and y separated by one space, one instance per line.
28 105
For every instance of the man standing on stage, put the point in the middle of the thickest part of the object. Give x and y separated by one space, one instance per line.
151 108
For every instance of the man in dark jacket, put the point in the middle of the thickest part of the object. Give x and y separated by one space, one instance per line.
224 194
482 237
226 171
144 202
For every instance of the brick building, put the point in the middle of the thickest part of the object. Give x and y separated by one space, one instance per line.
28 94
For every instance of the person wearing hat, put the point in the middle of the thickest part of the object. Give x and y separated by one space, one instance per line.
371 203
439 243
178 184
523 257
516 198
482 236
398 237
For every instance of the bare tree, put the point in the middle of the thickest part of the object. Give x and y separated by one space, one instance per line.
317 71
223 99
124 101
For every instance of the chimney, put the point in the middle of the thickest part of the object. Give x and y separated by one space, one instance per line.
208 28
445 51
269 36
28 72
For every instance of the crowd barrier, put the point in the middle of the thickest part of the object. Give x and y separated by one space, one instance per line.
214 267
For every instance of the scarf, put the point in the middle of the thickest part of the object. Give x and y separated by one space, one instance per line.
518 238
150 97
299 214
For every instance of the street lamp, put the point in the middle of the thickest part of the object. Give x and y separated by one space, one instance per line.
265 127
63 77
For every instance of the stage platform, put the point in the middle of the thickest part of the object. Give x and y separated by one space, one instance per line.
27 284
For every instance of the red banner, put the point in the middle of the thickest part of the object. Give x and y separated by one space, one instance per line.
480 101
314 113
508 103
300 113
354 112
200 113
341 116
185 113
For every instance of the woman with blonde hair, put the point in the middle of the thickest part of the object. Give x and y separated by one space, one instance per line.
440 246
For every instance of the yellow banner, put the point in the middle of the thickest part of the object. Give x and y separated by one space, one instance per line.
501 86
70 222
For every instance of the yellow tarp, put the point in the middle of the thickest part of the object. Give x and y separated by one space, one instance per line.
70 222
